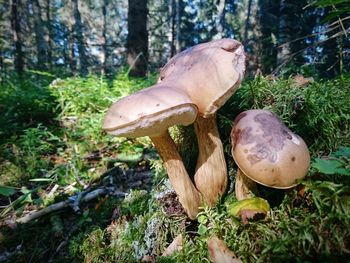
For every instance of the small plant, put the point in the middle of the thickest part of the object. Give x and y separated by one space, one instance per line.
30 153
336 163
319 112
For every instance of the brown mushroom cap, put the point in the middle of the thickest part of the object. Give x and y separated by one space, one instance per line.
149 112
209 73
267 151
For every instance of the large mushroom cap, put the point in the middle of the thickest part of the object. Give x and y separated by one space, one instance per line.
209 73
149 112
267 151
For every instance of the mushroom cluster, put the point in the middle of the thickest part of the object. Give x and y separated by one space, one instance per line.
191 87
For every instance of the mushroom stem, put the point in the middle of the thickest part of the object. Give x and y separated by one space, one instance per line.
189 196
244 187
211 171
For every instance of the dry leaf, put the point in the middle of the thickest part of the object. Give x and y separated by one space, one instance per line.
176 245
220 253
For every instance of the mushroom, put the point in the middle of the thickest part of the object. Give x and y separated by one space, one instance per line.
150 112
266 152
209 74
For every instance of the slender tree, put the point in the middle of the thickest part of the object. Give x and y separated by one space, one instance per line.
105 48
16 31
79 38
269 28
220 18
39 35
49 35
247 24
172 12
137 40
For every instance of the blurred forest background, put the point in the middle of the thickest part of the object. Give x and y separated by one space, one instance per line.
71 193
90 36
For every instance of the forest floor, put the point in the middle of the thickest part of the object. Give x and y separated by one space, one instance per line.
71 193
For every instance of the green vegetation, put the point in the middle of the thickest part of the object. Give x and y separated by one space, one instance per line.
52 147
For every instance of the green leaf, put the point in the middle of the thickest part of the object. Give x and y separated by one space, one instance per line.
202 219
327 166
7 190
342 171
255 203
342 152
127 157
202 229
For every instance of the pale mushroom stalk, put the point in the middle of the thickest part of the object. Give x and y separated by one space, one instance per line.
209 74
150 112
188 195
211 171
244 187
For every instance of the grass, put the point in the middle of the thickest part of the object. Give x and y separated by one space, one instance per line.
51 139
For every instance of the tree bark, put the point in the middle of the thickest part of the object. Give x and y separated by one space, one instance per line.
39 36
285 31
50 33
269 26
179 6
79 37
247 24
137 40
105 68
220 20
16 31
173 27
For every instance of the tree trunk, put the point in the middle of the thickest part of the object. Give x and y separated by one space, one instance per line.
286 31
173 27
50 33
79 37
269 26
137 40
2 68
105 58
178 16
247 24
16 31
39 36
220 20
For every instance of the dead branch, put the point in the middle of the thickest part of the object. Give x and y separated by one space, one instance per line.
67 203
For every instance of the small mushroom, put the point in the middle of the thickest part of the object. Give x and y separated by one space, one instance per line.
150 112
209 74
266 152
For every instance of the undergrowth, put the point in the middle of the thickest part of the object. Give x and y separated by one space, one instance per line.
319 111
52 147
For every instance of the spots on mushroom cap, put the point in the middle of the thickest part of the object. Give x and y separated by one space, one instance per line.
241 136
261 152
273 130
267 143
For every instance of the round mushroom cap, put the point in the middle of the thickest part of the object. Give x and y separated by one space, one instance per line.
267 151
149 112
209 73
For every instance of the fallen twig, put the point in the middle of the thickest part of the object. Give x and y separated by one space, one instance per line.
5 256
63 204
